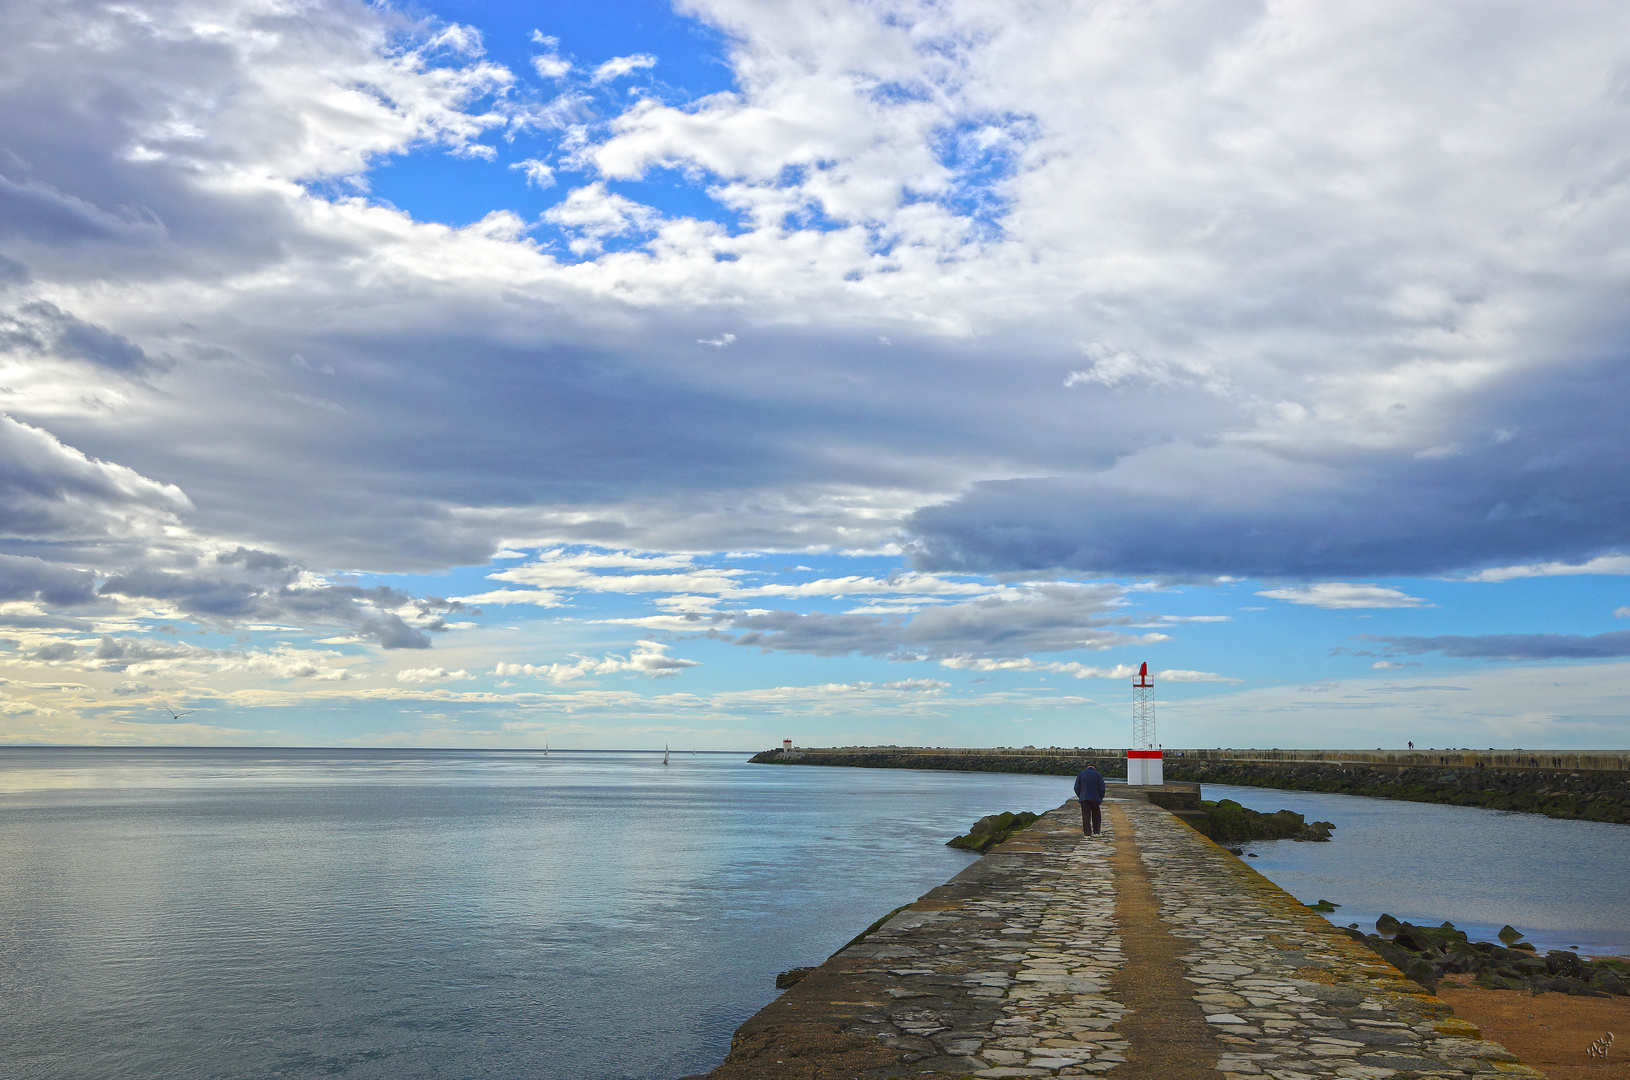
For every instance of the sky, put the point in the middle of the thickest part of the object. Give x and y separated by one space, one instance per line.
495 374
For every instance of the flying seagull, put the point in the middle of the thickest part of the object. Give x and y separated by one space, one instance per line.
178 715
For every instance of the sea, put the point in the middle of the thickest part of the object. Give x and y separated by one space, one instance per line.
259 913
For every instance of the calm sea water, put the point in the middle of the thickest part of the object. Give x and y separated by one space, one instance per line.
300 913
402 914
1563 883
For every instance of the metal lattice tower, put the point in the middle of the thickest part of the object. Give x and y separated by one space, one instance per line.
1143 711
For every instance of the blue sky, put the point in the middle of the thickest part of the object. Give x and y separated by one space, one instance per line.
476 374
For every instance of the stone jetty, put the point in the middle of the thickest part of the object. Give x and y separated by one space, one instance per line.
1580 785
1146 954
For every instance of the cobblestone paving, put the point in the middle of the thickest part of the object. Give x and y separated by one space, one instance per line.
1292 998
1031 956
1005 971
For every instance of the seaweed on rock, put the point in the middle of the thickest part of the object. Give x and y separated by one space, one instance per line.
1229 822
991 830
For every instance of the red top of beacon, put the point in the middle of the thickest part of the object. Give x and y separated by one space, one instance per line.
1143 676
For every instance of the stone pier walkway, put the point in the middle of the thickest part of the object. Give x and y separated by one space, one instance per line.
1147 954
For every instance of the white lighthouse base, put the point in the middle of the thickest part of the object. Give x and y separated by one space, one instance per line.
1145 768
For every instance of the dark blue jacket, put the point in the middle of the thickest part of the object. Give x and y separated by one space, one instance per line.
1089 786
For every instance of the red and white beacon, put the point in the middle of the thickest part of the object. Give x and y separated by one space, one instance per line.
1145 763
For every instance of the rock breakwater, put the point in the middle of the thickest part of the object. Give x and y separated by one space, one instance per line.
1109 763
1426 954
1579 796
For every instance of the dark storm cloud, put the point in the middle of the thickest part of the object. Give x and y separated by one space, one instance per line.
44 330
1515 646
1538 470
37 211
54 493
25 578
369 612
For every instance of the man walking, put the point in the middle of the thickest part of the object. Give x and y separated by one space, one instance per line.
1089 788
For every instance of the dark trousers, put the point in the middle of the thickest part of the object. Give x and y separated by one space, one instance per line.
1092 822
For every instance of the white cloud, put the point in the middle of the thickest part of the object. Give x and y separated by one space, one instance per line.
619 66
551 66
1602 564
558 569
1080 671
912 584
596 214
538 173
146 658
915 686
649 658
535 597
432 675
718 342
1337 595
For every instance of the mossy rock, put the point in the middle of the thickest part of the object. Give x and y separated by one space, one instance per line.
992 829
1232 822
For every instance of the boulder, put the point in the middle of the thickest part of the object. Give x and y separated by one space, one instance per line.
1565 984
1500 980
1608 981
991 830
1421 971
1460 958
1228 821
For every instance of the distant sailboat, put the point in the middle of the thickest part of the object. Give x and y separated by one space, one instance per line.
665 753
545 749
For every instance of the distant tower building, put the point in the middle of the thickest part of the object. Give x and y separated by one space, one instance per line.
786 746
1144 763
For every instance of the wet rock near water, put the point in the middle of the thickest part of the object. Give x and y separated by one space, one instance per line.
1227 822
1425 954
791 978
992 829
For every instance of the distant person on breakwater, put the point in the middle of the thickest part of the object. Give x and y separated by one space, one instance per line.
1089 788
